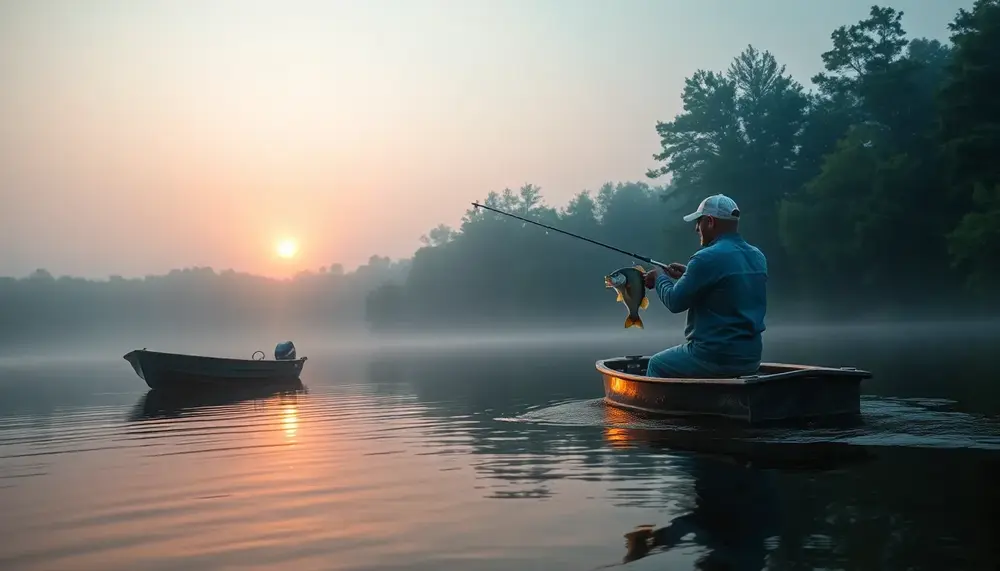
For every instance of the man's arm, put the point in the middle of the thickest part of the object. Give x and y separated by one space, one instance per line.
678 295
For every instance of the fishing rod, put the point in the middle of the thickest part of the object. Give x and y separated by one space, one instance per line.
578 237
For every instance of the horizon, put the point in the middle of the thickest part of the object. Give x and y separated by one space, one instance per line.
151 137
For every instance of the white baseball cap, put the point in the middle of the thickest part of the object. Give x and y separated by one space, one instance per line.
717 206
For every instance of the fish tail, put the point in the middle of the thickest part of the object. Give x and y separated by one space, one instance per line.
633 320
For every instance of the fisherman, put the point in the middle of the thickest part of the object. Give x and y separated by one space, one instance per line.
723 290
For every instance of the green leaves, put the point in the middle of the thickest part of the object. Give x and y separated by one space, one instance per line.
881 182
879 203
975 242
737 135
970 139
870 46
706 130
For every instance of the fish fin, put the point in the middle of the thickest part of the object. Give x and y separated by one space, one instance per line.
640 268
620 298
633 321
645 303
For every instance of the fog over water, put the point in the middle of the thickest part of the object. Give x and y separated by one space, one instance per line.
449 415
494 452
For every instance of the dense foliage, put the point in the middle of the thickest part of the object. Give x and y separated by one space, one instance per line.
42 306
876 189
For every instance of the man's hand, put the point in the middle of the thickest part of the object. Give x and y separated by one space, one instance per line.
676 270
673 270
649 278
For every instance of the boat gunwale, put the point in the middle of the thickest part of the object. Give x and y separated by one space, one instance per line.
793 372
136 353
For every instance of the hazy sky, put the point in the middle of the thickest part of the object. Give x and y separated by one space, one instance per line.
140 136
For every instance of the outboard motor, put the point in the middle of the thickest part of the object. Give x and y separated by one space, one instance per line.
284 351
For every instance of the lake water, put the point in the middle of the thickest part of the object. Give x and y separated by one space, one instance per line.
502 456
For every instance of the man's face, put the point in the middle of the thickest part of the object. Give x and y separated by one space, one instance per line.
705 227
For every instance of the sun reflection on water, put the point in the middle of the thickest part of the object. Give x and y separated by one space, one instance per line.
616 435
290 421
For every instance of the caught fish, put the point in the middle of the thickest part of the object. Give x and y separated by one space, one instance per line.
631 290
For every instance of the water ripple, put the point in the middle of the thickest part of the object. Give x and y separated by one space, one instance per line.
371 476
885 421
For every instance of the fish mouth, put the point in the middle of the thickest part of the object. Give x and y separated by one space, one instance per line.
607 282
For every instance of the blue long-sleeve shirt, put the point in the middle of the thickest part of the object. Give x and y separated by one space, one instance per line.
724 292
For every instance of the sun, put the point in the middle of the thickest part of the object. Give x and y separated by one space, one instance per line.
287 249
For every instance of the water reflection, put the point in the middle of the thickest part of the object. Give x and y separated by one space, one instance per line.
488 461
730 507
735 513
827 494
820 505
727 443
160 404
727 508
290 421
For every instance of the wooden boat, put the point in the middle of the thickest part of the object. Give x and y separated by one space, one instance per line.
176 371
776 392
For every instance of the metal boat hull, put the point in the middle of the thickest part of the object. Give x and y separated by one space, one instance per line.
174 371
777 392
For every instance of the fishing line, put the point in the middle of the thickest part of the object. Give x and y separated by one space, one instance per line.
577 236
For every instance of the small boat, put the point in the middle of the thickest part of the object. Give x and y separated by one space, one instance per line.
179 371
777 392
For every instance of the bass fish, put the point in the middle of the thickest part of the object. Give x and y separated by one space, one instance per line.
631 290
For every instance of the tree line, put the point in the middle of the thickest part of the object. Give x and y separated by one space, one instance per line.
877 189
42 306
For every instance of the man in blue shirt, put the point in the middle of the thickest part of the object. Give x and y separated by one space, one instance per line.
723 289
